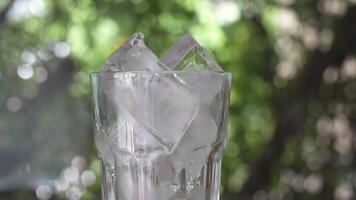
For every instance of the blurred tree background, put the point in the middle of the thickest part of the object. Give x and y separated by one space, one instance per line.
293 101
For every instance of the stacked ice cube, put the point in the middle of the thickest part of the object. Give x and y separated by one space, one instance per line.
183 127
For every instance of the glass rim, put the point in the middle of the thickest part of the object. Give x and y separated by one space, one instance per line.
96 73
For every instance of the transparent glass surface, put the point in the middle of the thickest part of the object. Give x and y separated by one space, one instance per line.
160 135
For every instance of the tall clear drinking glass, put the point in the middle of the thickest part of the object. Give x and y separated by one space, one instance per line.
160 135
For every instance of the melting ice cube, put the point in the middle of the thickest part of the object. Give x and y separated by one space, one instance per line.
163 108
157 103
187 54
133 55
195 146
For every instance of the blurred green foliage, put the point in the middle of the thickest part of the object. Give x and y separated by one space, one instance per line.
267 46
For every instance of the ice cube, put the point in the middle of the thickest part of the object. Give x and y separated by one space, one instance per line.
206 86
165 178
125 137
187 55
208 89
125 133
168 109
195 146
163 108
122 132
156 102
133 55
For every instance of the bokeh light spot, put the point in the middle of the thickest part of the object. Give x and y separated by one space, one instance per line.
71 174
287 20
26 8
344 192
349 68
13 104
28 57
44 54
311 37
286 70
226 12
313 183
61 49
331 74
298 183
41 74
25 72
78 162
333 7
44 192
88 178
61 185
73 193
